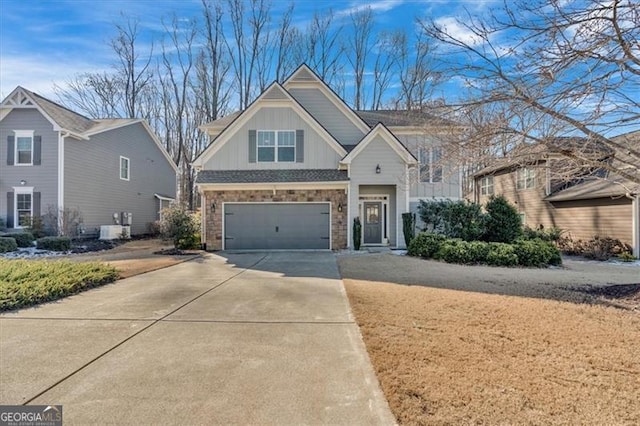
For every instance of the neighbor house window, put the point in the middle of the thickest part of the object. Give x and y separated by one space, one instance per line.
24 148
277 146
526 178
124 168
430 164
486 185
23 203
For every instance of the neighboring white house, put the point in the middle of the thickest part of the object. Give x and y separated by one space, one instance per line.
53 159
295 168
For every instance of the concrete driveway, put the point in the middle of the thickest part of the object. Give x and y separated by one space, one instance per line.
233 339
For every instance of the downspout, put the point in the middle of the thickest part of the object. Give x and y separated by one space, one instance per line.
60 208
635 223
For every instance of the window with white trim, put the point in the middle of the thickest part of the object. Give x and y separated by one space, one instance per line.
486 185
430 164
124 168
526 178
23 207
24 147
276 146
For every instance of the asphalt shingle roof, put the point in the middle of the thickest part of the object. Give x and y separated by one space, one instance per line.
400 118
274 176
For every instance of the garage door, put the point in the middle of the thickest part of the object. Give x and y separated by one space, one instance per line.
284 226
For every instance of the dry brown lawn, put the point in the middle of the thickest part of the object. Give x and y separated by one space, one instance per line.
453 357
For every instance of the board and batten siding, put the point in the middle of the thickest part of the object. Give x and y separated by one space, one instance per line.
44 177
327 114
393 171
581 219
93 184
234 155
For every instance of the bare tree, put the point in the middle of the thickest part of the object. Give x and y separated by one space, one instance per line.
559 69
97 95
323 51
385 66
417 76
359 47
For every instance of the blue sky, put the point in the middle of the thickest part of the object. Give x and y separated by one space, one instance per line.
43 43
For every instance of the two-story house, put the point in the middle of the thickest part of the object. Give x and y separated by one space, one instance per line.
549 191
54 160
295 168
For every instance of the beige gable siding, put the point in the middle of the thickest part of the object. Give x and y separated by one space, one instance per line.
393 174
327 114
450 185
234 155
580 219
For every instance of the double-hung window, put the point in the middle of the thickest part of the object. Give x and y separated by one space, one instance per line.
431 164
526 178
124 168
486 185
24 147
276 146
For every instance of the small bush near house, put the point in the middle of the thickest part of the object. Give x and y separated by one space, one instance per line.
598 248
28 282
501 254
464 252
3 225
626 257
426 245
153 228
548 234
408 227
37 227
181 227
54 243
357 233
8 244
502 222
23 239
536 253
453 219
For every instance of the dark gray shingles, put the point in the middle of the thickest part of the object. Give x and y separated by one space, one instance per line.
274 176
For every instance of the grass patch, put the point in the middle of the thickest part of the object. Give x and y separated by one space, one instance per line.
29 282
453 357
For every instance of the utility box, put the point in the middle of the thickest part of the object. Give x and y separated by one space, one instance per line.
126 218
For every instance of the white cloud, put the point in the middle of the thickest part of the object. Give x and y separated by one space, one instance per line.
458 31
375 6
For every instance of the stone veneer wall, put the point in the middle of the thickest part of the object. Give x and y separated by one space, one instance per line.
335 196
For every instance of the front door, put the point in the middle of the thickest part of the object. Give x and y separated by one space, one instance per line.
372 223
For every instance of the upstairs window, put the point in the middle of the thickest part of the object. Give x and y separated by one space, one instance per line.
276 146
526 178
24 148
431 164
486 185
124 168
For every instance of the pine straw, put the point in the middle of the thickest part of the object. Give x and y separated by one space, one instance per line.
451 357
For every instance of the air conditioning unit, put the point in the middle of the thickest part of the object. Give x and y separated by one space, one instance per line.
110 232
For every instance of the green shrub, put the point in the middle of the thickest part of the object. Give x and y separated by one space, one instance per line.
464 252
503 223
425 245
548 234
23 239
536 253
180 226
501 254
27 282
625 256
3 225
54 243
357 233
408 227
454 219
8 244
36 227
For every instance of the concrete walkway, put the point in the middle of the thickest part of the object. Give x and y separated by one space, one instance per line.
244 338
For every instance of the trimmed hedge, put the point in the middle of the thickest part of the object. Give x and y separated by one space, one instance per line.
531 253
8 244
55 243
23 239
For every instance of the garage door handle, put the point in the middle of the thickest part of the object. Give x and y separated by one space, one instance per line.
277 228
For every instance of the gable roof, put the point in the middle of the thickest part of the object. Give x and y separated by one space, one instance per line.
403 118
271 176
382 131
266 98
611 187
305 77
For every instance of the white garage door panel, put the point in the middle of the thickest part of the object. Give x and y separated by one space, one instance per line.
284 226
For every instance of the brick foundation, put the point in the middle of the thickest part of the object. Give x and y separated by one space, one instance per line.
334 196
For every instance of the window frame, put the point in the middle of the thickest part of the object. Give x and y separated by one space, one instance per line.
434 174
276 146
128 177
22 190
525 179
487 186
18 134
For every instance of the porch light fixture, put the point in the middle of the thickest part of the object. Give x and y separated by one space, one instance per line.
23 182
378 169
213 207
340 207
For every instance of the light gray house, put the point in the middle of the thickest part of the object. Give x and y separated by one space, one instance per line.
54 160
295 168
